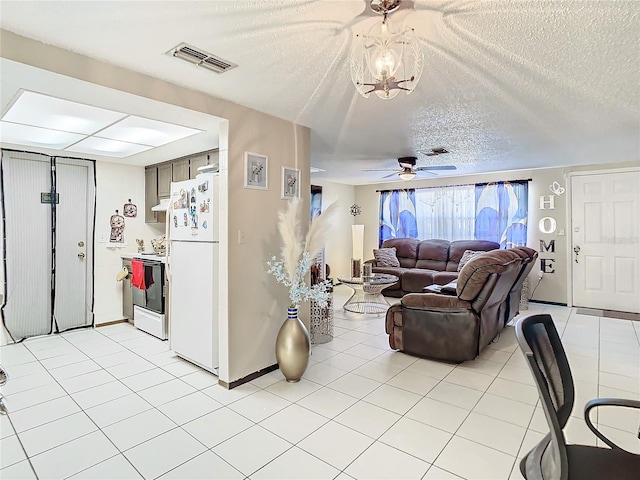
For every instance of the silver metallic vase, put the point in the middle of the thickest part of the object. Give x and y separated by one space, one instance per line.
292 347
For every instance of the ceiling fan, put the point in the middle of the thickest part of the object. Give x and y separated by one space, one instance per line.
408 166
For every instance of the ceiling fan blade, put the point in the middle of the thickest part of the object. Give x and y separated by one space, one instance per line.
391 175
436 167
380 170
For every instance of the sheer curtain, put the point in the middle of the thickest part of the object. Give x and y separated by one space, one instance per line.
501 212
446 213
397 214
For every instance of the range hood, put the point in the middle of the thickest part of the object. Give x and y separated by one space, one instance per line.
162 206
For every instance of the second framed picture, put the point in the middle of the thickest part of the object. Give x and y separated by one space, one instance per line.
255 171
290 182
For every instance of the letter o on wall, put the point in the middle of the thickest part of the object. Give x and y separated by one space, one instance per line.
547 225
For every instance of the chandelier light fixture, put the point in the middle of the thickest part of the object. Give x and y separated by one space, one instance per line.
387 59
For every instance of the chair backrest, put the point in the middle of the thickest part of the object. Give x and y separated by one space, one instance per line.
541 346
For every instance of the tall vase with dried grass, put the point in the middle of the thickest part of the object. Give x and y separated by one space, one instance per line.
293 343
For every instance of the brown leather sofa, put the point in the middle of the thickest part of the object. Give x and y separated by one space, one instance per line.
456 327
426 262
511 307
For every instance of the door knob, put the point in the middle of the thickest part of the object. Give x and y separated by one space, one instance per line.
81 255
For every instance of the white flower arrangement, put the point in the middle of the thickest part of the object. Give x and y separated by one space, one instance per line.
296 255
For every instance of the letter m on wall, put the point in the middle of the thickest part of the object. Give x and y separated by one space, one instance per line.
551 247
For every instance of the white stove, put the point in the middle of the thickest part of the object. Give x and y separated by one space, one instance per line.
159 257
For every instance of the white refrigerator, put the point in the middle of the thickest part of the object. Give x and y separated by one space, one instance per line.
193 270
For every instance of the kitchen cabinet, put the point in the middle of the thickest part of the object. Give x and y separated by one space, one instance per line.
209 158
180 170
150 194
158 178
165 176
194 163
127 297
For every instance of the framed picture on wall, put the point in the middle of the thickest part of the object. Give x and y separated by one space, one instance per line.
290 182
255 171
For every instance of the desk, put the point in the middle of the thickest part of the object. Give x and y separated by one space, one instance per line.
366 297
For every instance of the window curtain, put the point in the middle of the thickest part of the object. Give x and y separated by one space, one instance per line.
501 213
446 213
397 215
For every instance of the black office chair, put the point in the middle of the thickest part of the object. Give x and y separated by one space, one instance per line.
552 458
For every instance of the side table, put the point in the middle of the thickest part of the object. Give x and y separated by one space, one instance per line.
367 296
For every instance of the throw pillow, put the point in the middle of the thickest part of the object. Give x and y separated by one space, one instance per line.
468 255
386 257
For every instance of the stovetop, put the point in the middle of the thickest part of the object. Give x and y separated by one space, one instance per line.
159 257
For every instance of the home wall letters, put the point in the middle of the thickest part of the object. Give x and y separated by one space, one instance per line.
548 225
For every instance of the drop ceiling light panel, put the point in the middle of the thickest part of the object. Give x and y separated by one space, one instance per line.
146 132
108 148
36 136
48 112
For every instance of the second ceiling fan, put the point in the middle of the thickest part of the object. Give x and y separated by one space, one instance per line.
408 169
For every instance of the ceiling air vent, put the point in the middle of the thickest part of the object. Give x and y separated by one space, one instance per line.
201 58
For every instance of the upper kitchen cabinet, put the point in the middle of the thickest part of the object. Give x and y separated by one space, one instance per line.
209 158
150 194
165 176
158 179
180 170
196 162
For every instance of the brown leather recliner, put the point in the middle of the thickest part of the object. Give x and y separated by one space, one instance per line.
456 327
511 307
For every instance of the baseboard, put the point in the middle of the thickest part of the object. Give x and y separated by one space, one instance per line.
544 302
113 322
609 313
248 378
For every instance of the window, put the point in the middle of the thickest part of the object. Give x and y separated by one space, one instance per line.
485 211
446 212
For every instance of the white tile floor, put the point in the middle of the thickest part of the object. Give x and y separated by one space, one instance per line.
114 403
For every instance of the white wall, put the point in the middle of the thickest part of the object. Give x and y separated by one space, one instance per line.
115 185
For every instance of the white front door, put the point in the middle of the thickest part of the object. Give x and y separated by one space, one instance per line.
73 245
605 213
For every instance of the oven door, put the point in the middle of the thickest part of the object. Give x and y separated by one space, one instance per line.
153 297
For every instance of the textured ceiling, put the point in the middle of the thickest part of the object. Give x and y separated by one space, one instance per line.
507 84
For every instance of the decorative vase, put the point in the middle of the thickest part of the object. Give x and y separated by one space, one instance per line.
292 347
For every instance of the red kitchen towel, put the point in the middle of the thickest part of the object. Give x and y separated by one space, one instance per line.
137 278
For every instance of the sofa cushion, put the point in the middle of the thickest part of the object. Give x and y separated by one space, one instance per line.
442 278
458 247
466 256
386 257
406 250
433 254
415 279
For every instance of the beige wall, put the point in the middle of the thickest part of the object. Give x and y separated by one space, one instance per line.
256 304
338 248
554 286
